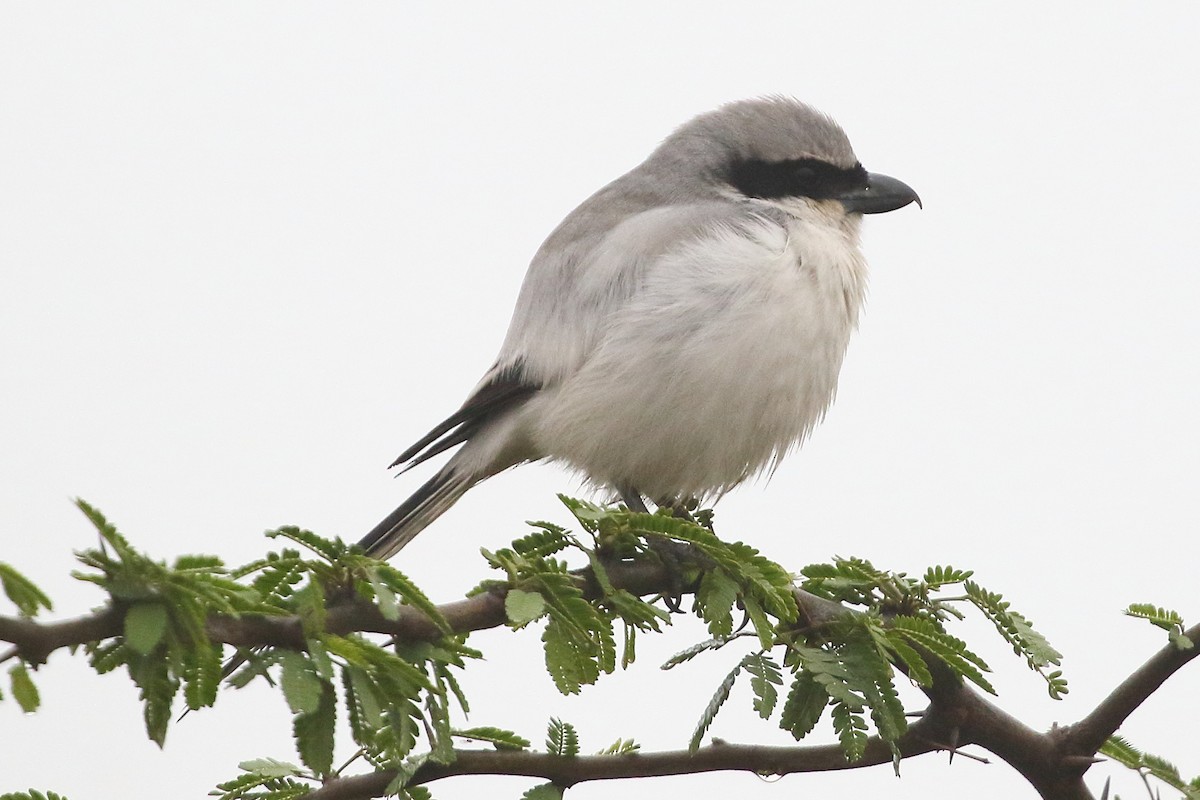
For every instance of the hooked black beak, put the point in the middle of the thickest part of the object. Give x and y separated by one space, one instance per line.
881 194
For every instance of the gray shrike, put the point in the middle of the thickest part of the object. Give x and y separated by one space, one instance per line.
683 328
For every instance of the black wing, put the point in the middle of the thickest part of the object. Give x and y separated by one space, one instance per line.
506 390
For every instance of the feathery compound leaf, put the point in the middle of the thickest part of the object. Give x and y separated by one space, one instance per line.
107 657
202 676
498 737
1168 620
620 747
714 705
313 733
542 543
1121 751
107 532
24 594
363 709
691 652
157 689
562 739
1162 617
1019 632
942 576
569 657
715 597
330 550
399 583
301 687
1148 764
806 702
917 670
851 730
1014 627
277 574
953 652
270 768
32 794
758 577
767 676
244 787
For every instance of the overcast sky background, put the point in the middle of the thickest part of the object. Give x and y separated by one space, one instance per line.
250 251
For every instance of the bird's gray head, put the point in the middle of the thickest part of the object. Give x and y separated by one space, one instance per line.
777 148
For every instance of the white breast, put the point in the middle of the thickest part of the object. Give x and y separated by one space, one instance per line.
722 361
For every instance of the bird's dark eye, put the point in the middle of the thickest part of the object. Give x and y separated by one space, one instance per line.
804 174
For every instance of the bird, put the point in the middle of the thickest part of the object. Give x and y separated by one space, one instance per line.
682 329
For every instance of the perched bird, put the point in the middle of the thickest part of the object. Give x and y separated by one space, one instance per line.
683 328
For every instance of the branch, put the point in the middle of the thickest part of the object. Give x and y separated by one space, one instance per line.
567 772
35 641
1089 733
1054 762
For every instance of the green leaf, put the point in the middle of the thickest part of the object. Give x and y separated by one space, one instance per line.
521 607
806 702
389 605
23 689
400 584
1180 640
953 652
767 676
918 670
620 747
202 676
1162 617
942 576
270 768
715 597
1015 628
24 594
689 653
714 705
301 687
330 550
313 733
157 689
498 737
561 739
145 625
851 729
543 791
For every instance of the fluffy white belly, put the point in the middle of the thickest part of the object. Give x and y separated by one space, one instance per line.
721 363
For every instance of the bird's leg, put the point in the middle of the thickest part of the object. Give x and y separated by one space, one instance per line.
671 554
632 499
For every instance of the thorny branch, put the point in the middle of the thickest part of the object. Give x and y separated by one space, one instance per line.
1053 762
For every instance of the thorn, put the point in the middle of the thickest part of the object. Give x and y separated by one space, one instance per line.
1080 761
953 744
954 749
1107 783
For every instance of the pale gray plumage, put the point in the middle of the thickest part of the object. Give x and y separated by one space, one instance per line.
683 328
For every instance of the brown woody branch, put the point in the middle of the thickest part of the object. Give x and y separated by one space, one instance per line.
565 772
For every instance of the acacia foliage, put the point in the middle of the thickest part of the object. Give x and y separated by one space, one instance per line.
400 698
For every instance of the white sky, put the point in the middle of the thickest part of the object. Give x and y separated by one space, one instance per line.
250 251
